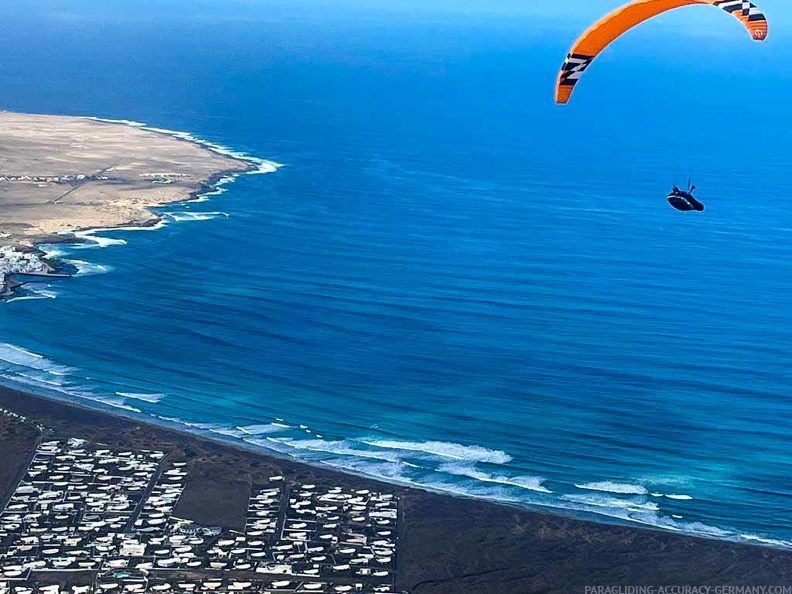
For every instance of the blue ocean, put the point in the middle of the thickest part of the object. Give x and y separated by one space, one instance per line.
439 277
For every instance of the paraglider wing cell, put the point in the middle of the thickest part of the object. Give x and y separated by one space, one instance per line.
602 33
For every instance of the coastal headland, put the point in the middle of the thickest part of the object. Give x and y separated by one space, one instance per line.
446 545
60 175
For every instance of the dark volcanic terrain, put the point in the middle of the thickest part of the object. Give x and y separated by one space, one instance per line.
448 545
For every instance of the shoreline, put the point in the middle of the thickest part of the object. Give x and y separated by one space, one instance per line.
72 237
455 543
134 415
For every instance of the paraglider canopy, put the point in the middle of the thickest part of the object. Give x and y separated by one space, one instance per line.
602 33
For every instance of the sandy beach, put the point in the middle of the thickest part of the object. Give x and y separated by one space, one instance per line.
448 544
62 174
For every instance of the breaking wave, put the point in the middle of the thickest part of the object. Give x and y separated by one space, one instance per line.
609 487
36 296
445 450
150 398
263 165
244 433
603 501
115 403
181 216
531 483
89 268
261 429
339 448
20 357
95 240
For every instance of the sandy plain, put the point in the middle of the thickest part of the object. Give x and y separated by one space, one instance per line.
61 174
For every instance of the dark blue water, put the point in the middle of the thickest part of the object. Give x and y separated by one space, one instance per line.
450 281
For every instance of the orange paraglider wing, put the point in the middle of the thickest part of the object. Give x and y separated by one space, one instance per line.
597 37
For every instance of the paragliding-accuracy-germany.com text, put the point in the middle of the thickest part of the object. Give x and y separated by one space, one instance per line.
688 590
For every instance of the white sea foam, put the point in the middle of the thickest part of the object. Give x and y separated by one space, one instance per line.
53 251
88 268
487 491
270 443
169 419
89 237
114 402
39 378
22 366
43 293
20 357
25 298
264 165
647 513
267 167
338 448
262 429
389 471
767 541
247 431
610 487
603 501
680 497
101 242
18 378
154 227
444 450
531 483
181 216
150 398
132 123
228 431
202 426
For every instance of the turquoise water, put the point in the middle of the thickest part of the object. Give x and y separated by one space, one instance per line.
445 280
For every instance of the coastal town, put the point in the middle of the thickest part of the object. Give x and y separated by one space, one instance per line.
14 261
85 519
